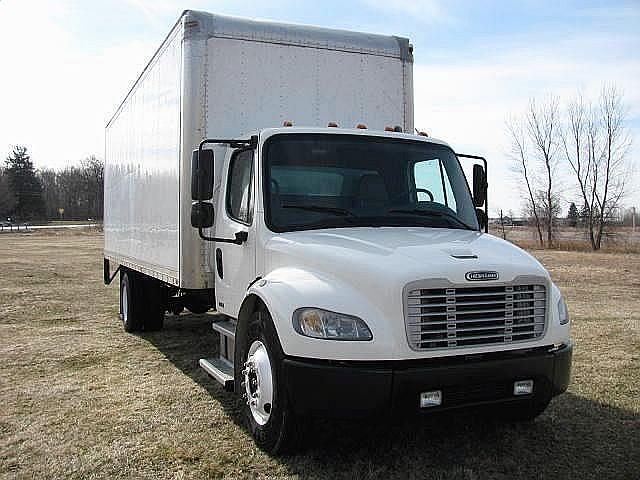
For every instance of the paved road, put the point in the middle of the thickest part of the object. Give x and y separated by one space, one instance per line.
23 228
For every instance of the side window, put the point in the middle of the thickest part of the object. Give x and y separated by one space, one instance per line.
431 175
239 194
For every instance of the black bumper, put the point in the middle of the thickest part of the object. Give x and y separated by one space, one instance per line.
360 389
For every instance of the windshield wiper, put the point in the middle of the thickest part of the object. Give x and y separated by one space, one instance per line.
323 209
431 213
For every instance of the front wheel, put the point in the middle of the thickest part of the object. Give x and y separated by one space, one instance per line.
267 411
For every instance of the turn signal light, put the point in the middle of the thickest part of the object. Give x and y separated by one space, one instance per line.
388 129
287 123
361 126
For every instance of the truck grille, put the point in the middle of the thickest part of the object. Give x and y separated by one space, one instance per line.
474 316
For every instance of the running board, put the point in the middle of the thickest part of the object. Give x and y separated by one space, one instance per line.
219 370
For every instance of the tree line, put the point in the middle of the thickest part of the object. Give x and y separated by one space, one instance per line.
73 193
584 143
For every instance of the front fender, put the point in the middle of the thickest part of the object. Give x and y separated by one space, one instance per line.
286 289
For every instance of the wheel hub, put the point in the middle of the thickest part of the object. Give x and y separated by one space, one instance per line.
258 382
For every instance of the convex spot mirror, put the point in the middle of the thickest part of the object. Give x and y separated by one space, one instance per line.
202 175
202 215
479 185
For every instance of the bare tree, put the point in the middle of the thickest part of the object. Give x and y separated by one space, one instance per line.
520 164
543 128
612 165
596 144
76 190
579 140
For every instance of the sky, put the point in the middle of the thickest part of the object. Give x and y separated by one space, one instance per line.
67 64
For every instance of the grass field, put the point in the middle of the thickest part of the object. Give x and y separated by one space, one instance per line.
81 399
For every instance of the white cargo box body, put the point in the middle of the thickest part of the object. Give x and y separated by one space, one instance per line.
222 77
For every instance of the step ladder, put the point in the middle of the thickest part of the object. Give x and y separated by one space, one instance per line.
221 368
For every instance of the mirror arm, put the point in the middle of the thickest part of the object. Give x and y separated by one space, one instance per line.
486 186
241 237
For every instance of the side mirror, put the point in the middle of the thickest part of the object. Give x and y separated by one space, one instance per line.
482 218
202 215
479 185
202 175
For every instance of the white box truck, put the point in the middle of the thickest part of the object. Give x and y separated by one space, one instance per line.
351 268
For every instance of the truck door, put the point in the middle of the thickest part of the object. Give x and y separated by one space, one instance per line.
235 264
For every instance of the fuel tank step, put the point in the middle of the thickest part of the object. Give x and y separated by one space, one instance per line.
220 370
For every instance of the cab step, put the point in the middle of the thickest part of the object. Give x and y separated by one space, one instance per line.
220 370
225 327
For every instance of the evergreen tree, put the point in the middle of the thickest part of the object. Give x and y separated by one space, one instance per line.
584 214
572 216
25 184
7 197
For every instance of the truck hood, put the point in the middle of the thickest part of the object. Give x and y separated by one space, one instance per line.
381 256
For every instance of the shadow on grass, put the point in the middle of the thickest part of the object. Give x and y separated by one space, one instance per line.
575 438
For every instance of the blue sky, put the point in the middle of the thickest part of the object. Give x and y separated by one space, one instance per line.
68 63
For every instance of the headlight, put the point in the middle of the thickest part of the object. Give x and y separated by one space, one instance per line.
563 312
318 323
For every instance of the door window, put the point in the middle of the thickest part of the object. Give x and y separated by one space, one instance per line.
239 188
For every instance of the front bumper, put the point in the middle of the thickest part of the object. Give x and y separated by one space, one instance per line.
361 389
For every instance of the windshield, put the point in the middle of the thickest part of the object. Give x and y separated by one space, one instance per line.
329 181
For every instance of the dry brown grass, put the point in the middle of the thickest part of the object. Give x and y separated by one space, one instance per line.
82 399
619 240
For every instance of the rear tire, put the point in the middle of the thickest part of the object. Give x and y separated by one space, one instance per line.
130 301
155 299
142 302
274 432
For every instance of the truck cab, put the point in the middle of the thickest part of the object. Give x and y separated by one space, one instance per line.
356 279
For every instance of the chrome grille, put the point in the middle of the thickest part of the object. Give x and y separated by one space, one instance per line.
474 316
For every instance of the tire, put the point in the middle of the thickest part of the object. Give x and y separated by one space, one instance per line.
141 302
274 433
155 299
130 301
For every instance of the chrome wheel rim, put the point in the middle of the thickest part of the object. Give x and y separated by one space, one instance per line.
258 382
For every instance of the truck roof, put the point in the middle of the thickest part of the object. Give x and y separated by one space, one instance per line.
267 132
198 23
